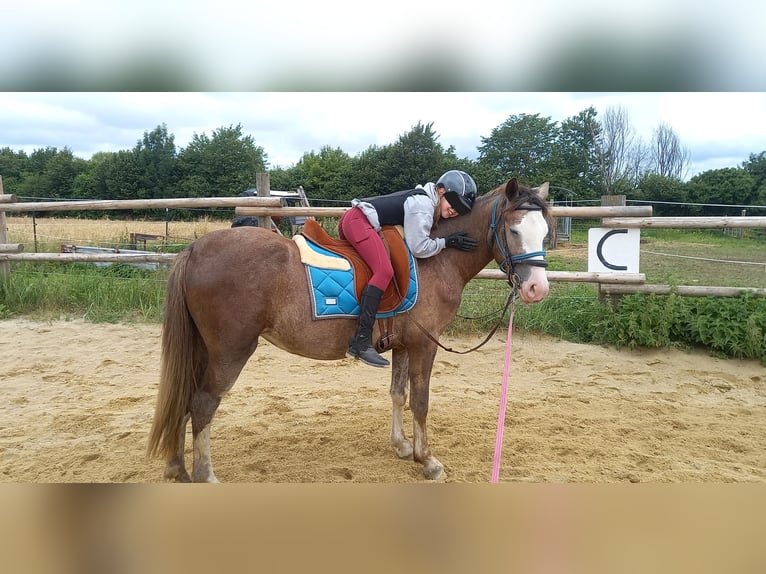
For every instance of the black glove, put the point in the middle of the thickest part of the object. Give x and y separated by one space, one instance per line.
461 241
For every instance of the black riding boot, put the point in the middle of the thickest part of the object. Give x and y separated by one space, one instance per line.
360 346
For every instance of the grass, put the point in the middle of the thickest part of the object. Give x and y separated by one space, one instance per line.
116 293
572 311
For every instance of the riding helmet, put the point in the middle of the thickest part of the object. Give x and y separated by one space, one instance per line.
460 190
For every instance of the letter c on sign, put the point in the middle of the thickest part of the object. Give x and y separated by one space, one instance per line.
600 254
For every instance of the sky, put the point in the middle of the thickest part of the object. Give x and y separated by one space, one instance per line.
720 129
298 75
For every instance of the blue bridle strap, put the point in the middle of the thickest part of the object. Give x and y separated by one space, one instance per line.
526 257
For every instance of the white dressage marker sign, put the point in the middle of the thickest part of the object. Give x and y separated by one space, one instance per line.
613 250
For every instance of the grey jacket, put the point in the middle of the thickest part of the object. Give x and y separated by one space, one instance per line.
419 213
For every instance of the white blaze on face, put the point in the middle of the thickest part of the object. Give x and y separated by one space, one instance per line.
532 230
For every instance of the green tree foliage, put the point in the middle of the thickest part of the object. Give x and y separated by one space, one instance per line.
13 166
575 163
730 185
415 158
323 175
571 155
51 174
285 178
155 157
91 184
659 188
522 146
368 174
756 167
221 165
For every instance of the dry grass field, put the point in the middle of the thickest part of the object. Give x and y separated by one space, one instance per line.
48 233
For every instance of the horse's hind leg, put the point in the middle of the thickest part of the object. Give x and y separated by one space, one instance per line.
400 379
175 467
203 408
219 377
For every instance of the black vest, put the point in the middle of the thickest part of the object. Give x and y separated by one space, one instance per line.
390 207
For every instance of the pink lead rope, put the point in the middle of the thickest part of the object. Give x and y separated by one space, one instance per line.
503 398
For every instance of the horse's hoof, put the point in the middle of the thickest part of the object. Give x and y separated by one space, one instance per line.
404 450
208 478
176 474
433 470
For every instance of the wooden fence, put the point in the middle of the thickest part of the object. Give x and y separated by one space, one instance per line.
613 284
268 206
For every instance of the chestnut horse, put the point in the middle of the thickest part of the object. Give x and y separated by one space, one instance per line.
230 287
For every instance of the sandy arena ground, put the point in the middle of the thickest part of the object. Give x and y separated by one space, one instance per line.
78 400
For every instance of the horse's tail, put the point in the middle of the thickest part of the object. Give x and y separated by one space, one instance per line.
181 364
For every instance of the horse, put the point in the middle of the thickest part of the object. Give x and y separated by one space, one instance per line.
230 287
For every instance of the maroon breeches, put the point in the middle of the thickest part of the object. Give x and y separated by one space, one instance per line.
356 229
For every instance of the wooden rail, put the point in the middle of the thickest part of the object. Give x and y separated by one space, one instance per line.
682 290
100 205
90 257
685 222
574 276
562 276
556 211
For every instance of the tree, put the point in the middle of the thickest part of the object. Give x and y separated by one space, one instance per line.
121 175
664 190
60 173
576 161
91 184
669 158
227 162
368 173
728 186
156 159
415 158
614 142
52 173
323 175
522 146
13 165
756 167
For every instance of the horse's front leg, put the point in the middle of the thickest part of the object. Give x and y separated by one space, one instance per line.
420 377
400 376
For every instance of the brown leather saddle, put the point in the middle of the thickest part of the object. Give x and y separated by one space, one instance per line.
397 289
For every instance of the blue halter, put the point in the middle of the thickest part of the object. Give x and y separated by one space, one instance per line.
508 259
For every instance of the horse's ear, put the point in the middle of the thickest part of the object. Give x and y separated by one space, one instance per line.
542 191
512 189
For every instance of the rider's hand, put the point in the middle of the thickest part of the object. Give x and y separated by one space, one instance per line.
461 241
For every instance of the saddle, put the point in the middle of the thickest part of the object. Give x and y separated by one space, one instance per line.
393 295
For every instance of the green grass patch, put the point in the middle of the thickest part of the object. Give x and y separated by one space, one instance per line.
114 293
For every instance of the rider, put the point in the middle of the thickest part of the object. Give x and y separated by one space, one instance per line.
419 211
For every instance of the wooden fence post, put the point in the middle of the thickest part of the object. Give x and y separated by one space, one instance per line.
5 266
263 184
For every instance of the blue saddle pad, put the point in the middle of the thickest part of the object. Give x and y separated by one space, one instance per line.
332 290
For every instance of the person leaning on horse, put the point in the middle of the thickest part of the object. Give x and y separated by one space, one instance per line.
418 211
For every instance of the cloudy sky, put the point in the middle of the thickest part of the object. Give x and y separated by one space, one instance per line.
298 75
719 129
